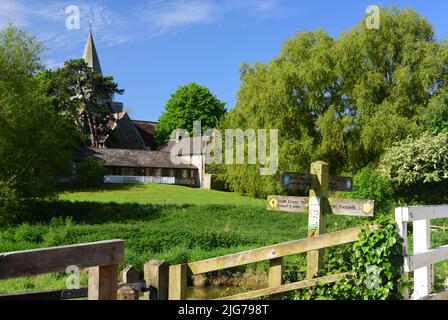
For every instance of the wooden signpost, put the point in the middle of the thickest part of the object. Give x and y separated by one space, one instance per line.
318 205
342 207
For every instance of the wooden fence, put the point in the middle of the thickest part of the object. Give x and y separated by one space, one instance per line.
164 282
422 261
161 281
101 259
178 273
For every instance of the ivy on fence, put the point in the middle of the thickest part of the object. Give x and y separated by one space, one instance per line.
375 262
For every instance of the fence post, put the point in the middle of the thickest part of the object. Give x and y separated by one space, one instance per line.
129 275
402 229
275 276
422 276
127 293
156 278
317 215
103 282
178 282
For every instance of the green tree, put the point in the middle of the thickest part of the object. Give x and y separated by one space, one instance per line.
342 100
84 96
189 103
34 146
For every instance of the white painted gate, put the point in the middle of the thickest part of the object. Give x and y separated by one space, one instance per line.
422 261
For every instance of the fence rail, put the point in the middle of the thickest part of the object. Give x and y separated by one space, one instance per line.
178 273
102 259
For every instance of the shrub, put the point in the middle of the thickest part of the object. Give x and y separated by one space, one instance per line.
90 172
421 160
375 262
10 201
370 184
60 233
418 169
30 233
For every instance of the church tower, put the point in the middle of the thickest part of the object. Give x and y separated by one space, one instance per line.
90 55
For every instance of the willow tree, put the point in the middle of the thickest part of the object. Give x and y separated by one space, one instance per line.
342 100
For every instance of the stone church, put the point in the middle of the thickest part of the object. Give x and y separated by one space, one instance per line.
130 154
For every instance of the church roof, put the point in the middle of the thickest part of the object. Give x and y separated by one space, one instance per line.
147 130
90 55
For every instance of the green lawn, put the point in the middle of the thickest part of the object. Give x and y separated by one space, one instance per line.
160 194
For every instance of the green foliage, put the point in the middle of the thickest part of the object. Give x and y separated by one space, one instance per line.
30 233
375 262
188 104
370 184
418 168
82 97
436 119
421 160
60 232
90 172
342 100
10 201
35 147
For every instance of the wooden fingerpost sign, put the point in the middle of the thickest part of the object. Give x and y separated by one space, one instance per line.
318 205
317 215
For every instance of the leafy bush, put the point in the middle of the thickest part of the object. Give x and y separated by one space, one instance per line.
375 262
10 201
30 233
370 184
60 232
421 160
90 172
418 169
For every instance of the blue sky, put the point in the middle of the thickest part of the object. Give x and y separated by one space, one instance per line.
153 47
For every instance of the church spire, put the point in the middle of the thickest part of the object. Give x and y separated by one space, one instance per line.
90 55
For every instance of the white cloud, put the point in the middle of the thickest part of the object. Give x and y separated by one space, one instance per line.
111 26
12 11
166 15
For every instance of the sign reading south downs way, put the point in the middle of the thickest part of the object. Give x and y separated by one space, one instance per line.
288 204
346 207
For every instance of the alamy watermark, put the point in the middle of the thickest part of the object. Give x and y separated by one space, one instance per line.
373 277
72 280
211 146
73 21
373 19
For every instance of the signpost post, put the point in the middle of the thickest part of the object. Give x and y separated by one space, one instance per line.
318 205
317 214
